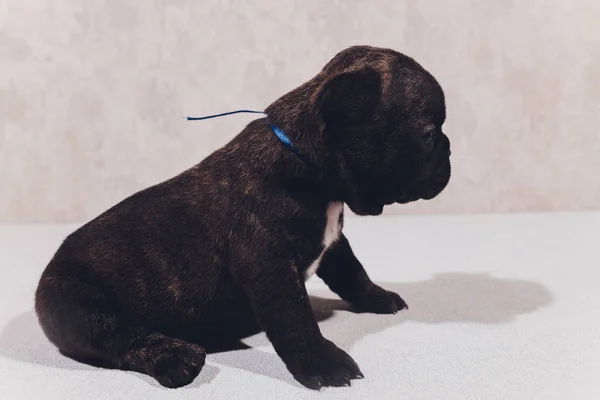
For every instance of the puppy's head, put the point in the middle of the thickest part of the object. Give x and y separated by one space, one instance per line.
382 117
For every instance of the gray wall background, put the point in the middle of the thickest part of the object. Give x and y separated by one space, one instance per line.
92 92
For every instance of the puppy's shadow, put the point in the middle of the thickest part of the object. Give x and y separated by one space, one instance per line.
446 298
23 340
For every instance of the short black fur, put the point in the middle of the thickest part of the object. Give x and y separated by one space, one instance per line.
221 250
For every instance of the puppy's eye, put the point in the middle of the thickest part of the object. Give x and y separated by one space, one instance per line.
428 137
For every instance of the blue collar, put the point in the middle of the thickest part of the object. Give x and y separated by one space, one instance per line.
281 135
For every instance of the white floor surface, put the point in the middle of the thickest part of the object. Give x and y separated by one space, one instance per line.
501 307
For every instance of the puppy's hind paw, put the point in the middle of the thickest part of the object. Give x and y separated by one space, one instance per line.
179 368
172 362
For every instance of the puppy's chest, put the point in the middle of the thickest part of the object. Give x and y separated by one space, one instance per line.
331 233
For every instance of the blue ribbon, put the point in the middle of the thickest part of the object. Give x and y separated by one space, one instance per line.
224 114
281 135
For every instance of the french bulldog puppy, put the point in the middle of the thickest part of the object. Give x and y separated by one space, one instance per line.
223 249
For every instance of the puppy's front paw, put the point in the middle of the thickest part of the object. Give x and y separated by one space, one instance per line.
380 301
326 365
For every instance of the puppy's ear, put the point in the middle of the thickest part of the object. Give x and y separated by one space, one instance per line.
348 98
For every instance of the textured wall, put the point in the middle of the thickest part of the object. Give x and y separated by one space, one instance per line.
92 92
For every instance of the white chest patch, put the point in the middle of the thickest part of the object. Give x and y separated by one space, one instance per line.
333 229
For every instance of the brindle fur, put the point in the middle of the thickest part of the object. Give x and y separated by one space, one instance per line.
219 251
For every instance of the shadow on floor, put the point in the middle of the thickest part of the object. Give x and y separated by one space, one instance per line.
446 298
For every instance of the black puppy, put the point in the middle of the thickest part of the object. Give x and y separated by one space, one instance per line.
224 248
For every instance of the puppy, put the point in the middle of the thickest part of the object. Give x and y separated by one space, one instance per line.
223 249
